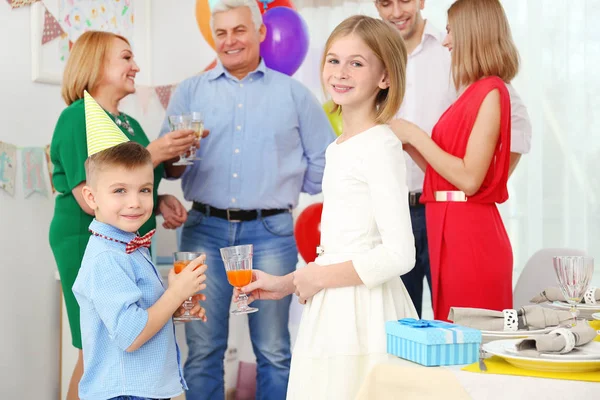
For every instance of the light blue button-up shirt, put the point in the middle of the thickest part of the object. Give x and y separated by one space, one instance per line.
114 290
267 142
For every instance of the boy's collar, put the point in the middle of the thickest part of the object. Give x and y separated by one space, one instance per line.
111 232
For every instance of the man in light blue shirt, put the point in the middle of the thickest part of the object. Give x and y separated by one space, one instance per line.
268 136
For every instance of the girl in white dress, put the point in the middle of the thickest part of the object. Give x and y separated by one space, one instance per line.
354 287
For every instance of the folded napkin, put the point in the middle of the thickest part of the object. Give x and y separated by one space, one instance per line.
561 340
592 296
527 317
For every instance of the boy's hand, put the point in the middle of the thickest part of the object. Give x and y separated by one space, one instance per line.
198 310
190 280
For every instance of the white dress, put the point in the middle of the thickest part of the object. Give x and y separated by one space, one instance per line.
365 219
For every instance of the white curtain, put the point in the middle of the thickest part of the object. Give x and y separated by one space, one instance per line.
322 16
555 191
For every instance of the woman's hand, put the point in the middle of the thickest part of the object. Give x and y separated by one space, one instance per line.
307 281
404 130
171 145
173 212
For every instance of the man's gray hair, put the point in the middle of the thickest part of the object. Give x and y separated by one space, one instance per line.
226 5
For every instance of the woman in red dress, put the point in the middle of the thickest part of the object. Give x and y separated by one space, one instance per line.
466 163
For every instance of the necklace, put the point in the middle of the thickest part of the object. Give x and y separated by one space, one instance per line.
122 122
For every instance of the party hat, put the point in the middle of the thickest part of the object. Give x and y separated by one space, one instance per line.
102 132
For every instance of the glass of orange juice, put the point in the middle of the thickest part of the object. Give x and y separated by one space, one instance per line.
238 265
181 260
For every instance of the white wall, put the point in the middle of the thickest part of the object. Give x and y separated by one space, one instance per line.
29 297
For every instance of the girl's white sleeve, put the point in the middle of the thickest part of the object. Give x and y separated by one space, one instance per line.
385 171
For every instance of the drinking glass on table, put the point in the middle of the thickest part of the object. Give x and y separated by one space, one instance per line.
197 125
238 265
178 122
574 274
181 260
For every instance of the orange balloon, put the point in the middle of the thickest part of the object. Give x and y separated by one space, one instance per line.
211 65
203 20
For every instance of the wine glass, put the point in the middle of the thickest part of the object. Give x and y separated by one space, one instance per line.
177 122
574 274
197 125
238 265
181 260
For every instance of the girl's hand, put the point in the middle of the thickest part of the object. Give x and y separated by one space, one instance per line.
263 287
404 130
307 281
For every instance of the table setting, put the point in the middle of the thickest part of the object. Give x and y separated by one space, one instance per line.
555 337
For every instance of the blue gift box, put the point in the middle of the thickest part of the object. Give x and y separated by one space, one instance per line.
432 343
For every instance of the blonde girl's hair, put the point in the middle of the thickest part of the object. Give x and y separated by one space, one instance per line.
388 46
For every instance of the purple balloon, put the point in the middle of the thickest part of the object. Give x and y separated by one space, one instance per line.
286 43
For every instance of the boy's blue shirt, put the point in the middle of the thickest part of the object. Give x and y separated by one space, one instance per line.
114 290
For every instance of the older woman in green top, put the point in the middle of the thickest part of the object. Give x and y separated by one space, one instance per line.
101 63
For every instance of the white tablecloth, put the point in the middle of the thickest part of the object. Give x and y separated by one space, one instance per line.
478 386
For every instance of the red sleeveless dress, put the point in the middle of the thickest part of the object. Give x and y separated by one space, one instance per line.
470 253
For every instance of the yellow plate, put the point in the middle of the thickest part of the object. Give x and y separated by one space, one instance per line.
504 349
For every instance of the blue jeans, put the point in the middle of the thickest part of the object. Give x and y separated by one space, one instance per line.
275 253
414 279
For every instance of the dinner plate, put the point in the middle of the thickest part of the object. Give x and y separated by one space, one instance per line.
582 306
520 333
576 363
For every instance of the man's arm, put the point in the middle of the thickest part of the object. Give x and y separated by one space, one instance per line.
514 160
520 135
316 134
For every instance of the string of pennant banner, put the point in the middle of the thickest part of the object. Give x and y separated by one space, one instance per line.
109 15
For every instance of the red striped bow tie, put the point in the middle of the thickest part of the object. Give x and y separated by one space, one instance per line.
139 241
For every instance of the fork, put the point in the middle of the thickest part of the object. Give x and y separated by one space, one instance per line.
482 356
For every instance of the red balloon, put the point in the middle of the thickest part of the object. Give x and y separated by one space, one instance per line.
308 231
274 3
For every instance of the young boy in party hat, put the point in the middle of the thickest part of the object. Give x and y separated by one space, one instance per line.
129 346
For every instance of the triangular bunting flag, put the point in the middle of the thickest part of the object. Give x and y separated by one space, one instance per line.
52 28
21 3
50 167
164 94
8 167
102 132
33 166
